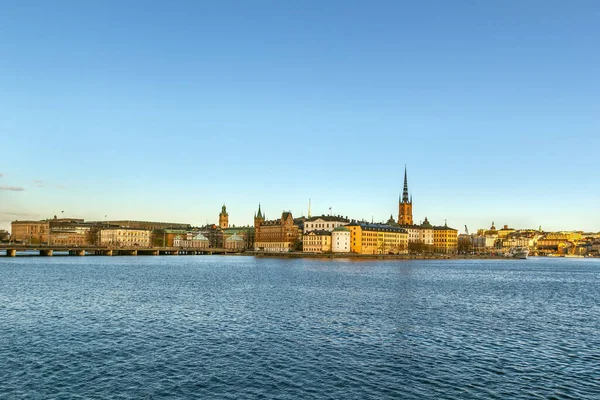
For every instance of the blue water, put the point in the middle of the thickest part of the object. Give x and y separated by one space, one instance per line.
237 327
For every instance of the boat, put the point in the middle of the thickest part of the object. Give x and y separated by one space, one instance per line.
520 252
573 256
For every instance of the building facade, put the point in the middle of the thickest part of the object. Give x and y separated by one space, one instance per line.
324 222
235 242
340 240
30 232
279 235
445 239
124 237
318 241
191 240
377 239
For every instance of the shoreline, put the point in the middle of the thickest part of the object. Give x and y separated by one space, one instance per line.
375 256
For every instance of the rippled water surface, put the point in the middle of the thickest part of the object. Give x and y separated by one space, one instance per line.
238 327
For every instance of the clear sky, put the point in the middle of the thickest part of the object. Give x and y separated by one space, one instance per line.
165 110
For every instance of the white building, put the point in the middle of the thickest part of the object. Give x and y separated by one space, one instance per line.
324 223
235 242
124 237
340 240
196 241
425 233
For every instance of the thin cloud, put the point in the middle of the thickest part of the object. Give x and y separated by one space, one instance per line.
16 214
12 188
38 183
1 174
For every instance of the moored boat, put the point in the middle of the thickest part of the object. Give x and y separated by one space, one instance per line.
520 253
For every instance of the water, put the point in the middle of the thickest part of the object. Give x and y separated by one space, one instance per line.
238 327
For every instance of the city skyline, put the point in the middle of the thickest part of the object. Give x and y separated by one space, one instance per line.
168 111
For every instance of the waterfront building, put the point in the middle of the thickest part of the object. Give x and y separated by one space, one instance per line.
246 233
279 235
191 240
340 240
414 232
484 242
73 233
4 236
445 239
316 241
166 237
30 232
368 238
426 233
405 214
235 242
124 237
215 235
223 218
324 222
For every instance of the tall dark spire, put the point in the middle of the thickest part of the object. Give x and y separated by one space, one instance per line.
259 215
405 191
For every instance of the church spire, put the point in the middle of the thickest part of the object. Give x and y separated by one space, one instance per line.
259 215
405 190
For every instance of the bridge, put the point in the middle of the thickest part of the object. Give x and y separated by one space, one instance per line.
13 250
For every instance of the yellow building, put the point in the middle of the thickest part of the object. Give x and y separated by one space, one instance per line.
445 239
30 232
570 236
316 242
377 239
504 232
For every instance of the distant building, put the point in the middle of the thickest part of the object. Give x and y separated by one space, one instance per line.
124 237
149 225
4 236
223 218
340 240
191 240
324 223
30 232
73 233
279 235
167 237
445 239
246 233
505 231
426 233
235 242
316 242
377 238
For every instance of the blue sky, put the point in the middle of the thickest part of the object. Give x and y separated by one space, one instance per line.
166 110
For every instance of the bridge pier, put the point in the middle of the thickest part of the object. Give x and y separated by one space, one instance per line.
11 252
80 252
47 253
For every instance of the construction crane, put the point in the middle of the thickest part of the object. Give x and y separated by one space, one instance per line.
472 240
